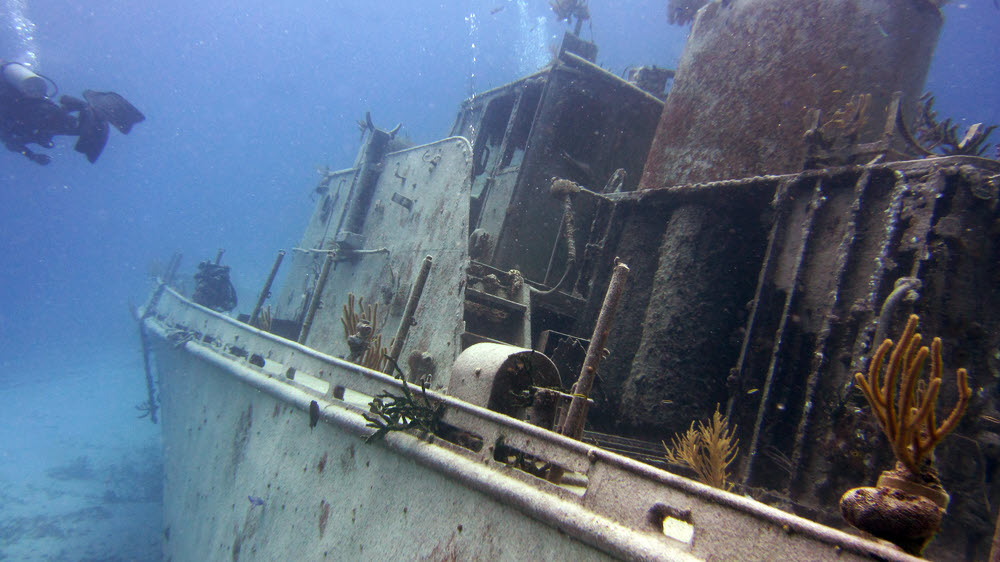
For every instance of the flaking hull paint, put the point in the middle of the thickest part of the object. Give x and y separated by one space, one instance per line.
225 441
235 430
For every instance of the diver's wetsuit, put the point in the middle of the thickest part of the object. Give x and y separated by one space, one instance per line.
25 120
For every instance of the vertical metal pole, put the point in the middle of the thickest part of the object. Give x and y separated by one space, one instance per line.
218 257
266 291
147 363
577 415
772 379
573 427
411 308
314 303
995 545
175 262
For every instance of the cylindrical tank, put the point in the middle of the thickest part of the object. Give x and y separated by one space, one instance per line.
24 80
492 374
752 68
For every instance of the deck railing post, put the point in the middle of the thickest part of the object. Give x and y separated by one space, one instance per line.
266 291
314 303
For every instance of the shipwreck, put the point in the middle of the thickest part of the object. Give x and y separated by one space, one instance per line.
483 345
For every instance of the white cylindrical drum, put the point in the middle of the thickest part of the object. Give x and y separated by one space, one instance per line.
27 82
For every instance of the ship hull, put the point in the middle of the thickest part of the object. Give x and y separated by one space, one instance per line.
250 474
326 494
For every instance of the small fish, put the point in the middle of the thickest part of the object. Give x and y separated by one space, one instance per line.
753 390
838 91
313 414
497 10
255 501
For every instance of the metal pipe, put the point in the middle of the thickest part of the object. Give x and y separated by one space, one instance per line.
148 369
266 291
995 544
172 265
577 415
765 278
361 195
147 363
862 345
821 355
902 288
411 308
778 347
314 303
567 230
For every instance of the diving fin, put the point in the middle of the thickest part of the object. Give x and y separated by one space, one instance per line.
93 134
111 107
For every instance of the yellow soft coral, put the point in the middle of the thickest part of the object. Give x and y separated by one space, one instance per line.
903 401
707 449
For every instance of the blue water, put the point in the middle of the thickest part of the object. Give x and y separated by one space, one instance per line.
245 101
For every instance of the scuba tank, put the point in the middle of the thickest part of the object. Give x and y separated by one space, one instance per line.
21 78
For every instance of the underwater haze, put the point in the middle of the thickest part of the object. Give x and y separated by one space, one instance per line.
245 103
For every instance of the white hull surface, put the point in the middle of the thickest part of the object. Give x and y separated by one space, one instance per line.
247 478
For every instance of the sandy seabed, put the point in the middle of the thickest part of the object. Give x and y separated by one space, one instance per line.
81 476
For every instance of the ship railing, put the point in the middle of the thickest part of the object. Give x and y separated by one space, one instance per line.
626 508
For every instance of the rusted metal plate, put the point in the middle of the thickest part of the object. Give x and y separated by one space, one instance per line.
764 295
752 68
573 120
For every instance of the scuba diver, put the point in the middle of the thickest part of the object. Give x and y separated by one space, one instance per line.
213 288
28 115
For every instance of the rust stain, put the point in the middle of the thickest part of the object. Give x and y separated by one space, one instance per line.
324 514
